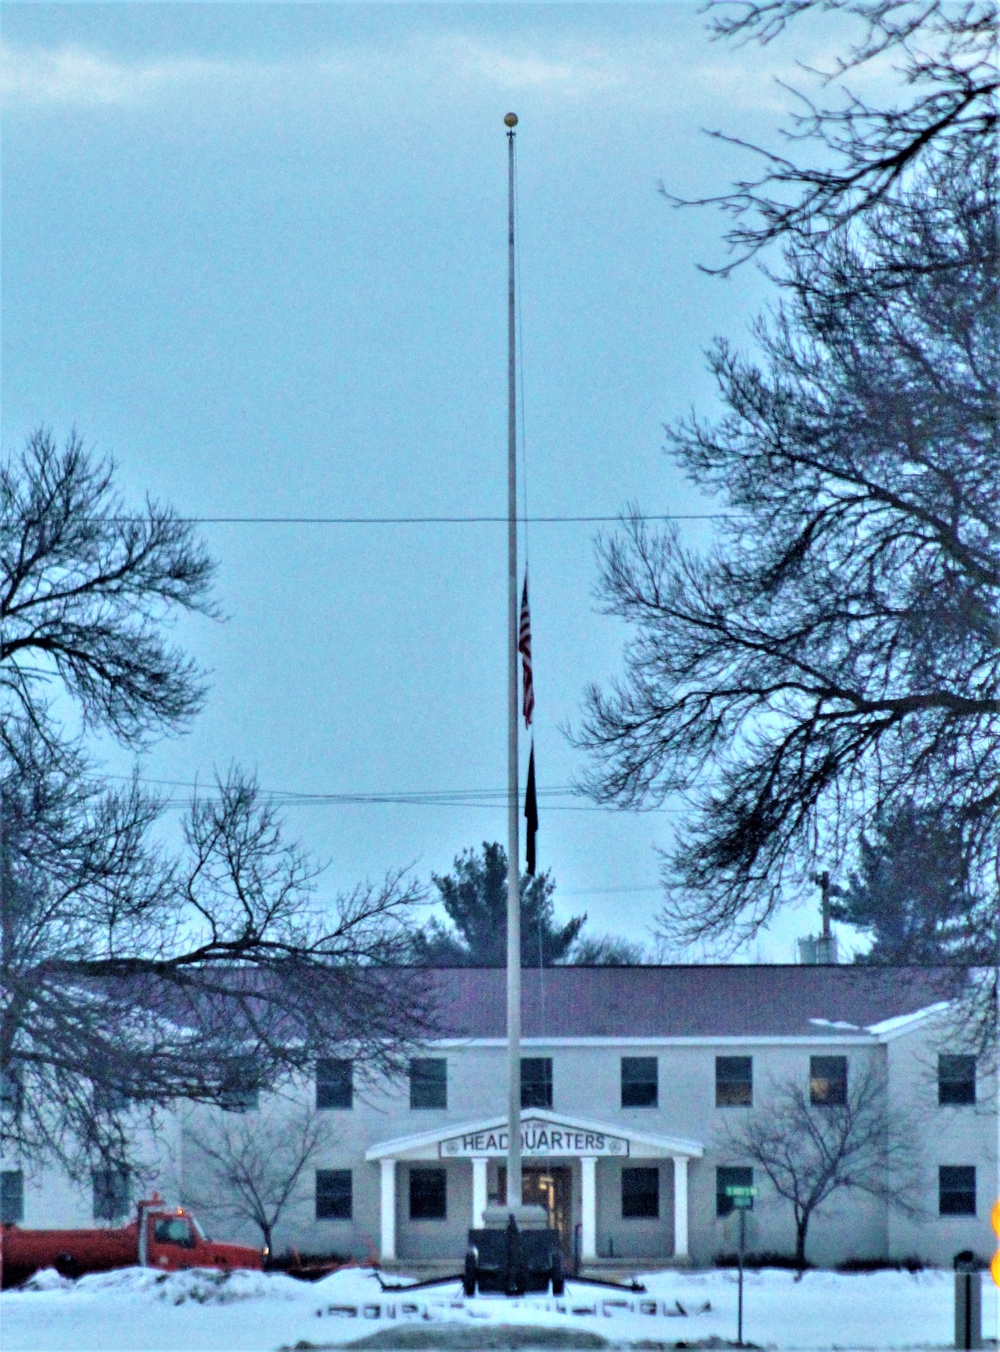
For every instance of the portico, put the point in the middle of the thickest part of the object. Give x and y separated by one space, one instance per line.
547 1138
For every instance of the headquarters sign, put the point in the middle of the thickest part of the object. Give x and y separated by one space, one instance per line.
537 1138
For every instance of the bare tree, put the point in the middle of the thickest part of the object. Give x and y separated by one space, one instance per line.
86 588
945 57
130 976
131 979
810 1151
835 653
257 1163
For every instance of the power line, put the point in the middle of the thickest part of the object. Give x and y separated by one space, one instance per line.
433 520
405 798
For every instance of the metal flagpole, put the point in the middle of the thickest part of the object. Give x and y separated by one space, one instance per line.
513 849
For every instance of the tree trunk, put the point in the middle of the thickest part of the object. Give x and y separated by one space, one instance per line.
801 1227
266 1232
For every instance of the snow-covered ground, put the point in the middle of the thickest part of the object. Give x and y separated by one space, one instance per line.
137 1310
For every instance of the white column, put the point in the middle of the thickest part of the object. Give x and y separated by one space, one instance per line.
680 1206
588 1207
388 1199
478 1191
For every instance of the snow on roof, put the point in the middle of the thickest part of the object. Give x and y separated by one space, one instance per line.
901 1023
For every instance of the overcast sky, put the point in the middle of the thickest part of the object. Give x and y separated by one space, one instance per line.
257 254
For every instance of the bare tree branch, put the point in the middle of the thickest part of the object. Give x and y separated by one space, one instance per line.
945 57
254 1165
838 650
85 592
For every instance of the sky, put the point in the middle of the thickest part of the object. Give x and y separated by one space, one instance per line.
256 253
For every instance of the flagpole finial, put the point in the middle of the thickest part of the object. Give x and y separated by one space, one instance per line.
510 120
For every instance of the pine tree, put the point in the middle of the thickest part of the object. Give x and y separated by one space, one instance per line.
474 896
912 892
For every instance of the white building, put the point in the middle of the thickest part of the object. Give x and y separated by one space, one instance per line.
630 1078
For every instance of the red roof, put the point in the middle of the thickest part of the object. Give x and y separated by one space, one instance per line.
732 1000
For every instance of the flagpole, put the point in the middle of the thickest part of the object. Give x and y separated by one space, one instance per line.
513 849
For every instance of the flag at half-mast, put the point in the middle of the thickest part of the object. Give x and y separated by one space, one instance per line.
524 648
531 812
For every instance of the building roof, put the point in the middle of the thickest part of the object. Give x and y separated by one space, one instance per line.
732 1000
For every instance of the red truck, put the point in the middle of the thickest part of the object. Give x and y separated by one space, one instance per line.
161 1237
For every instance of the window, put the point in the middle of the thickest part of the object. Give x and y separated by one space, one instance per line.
11 1196
640 1194
428 1195
956 1079
733 1081
334 1195
957 1190
731 1176
536 1082
174 1230
239 1092
828 1079
112 1194
429 1083
334 1084
640 1084
10 1090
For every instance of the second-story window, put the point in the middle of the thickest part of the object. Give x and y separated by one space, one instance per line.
956 1079
733 1081
11 1095
429 1082
640 1082
334 1084
239 1091
828 1080
536 1082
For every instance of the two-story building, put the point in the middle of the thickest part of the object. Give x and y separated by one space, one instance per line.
634 1081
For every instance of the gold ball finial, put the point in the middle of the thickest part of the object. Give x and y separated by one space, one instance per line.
510 120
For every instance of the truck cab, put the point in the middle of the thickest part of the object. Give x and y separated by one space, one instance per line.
171 1239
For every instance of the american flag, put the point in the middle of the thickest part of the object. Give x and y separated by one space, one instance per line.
524 648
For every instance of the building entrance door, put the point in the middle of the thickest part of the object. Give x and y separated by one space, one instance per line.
551 1188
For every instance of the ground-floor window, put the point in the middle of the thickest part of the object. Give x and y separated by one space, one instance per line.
641 1194
731 1176
112 1194
11 1196
334 1195
428 1195
957 1190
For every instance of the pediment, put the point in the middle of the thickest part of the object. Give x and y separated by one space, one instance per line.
544 1135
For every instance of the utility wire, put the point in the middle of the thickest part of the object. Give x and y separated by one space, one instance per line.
421 520
406 798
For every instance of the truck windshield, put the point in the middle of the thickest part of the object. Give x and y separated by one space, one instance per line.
174 1230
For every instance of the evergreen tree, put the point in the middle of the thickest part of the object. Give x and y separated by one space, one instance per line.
474 896
912 892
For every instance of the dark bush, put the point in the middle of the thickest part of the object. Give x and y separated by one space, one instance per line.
911 1263
765 1259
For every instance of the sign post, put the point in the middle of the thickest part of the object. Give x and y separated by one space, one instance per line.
742 1200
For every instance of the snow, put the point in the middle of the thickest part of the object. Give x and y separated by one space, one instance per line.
901 1023
139 1310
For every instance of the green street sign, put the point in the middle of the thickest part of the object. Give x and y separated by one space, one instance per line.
736 1190
742 1203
